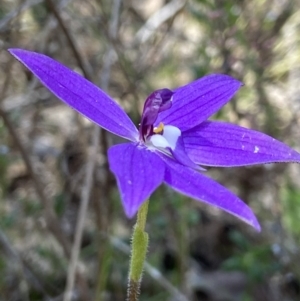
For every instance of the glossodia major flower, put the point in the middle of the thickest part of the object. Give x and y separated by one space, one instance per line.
174 137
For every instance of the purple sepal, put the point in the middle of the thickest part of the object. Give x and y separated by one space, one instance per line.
195 185
214 143
197 101
78 93
139 172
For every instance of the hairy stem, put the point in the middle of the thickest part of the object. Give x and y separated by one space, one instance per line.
138 253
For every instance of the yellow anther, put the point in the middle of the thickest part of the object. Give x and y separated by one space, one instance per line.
159 129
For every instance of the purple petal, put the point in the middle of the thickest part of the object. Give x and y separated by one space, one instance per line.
193 184
215 143
195 102
78 93
139 172
181 156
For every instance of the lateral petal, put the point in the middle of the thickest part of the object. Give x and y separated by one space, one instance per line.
139 171
78 93
214 143
195 102
193 184
179 153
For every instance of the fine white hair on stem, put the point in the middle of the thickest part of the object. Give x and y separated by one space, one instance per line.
151 270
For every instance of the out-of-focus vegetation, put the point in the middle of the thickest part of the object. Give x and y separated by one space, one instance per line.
201 252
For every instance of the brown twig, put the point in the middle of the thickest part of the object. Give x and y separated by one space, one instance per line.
4 22
14 258
86 191
85 196
85 67
158 18
51 219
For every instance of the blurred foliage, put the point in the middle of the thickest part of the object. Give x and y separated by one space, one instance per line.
257 262
204 253
291 209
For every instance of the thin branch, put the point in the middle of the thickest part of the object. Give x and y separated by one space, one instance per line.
158 18
13 14
51 220
7 79
86 191
85 67
85 196
14 258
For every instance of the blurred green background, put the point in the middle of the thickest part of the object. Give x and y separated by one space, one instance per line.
133 47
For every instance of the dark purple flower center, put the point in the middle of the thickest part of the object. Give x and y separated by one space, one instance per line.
158 101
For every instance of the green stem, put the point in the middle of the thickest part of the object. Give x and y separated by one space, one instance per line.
138 253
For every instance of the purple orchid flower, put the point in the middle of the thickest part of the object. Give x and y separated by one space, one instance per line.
174 137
